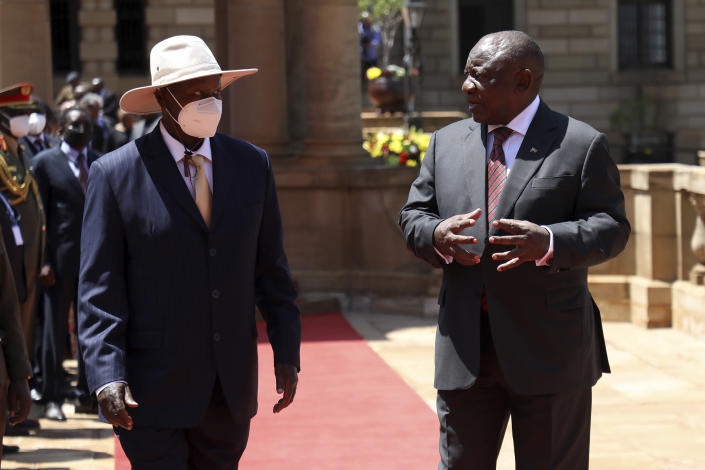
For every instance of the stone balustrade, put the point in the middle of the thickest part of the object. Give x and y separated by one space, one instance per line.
659 278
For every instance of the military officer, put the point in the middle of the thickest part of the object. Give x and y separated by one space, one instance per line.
20 189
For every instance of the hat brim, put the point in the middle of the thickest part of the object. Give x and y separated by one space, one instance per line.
141 100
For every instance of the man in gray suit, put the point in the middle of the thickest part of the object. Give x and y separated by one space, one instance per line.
515 205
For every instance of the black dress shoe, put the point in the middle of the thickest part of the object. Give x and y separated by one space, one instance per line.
35 395
53 411
10 449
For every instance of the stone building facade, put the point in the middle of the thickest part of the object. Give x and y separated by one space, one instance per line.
339 207
584 77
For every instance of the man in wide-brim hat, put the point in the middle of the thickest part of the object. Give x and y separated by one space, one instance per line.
182 237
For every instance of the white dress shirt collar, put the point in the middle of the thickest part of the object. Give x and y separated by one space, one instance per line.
176 148
521 122
71 152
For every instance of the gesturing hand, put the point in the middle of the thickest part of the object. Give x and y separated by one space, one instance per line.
113 400
447 240
287 379
530 242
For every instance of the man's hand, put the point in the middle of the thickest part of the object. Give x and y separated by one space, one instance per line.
287 378
530 242
18 401
447 240
113 400
46 276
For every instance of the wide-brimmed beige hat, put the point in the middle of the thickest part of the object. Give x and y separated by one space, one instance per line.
173 60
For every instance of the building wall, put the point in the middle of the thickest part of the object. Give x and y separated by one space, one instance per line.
579 41
163 18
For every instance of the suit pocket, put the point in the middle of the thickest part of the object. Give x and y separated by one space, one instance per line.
552 182
145 340
566 299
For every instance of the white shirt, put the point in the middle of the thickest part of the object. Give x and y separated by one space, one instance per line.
72 153
520 124
177 151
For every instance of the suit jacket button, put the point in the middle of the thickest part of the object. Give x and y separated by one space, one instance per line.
215 293
212 251
216 337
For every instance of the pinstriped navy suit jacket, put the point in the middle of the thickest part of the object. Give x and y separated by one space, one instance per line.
166 303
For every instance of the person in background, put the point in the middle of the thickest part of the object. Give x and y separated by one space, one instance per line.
62 174
370 40
93 103
122 132
19 187
110 101
37 139
67 93
14 364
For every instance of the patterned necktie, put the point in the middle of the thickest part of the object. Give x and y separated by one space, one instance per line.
496 177
82 171
201 188
496 172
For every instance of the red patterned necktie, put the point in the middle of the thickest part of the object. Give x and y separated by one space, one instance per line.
496 177
82 171
496 172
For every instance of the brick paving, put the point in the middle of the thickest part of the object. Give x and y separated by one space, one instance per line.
649 414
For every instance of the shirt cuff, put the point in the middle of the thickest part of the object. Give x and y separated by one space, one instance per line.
102 387
448 259
548 257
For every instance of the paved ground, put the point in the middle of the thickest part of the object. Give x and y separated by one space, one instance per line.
649 414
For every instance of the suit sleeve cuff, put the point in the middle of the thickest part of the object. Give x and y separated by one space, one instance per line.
448 259
548 257
104 386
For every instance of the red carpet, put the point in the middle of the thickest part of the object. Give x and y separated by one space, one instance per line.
351 411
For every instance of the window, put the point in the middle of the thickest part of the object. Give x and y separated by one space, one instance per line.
64 35
130 36
644 34
477 18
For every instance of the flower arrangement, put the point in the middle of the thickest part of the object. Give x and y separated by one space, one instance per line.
388 71
398 147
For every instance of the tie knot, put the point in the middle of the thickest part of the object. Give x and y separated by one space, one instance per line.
501 134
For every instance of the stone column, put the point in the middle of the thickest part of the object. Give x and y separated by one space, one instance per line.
25 46
697 243
329 50
252 34
98 50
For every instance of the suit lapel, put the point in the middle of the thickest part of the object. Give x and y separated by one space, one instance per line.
538 140
63 163
222 162
475 154
165 174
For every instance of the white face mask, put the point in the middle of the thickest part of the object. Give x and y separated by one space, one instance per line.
19 125
199 118
37 121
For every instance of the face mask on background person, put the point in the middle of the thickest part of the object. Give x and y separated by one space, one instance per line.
37 121
78 135
19 125
199 118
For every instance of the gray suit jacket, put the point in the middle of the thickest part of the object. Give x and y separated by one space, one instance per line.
545 325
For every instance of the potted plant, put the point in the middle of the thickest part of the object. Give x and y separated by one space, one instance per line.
398 147
644 140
